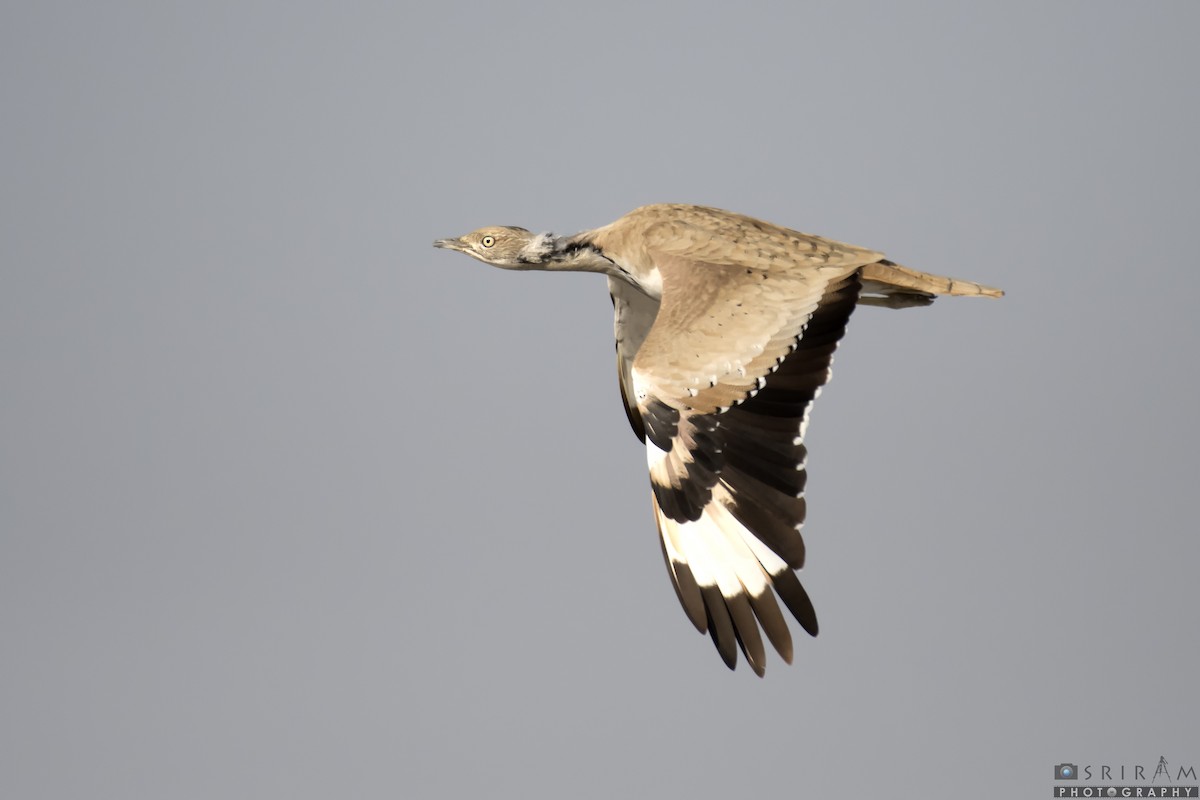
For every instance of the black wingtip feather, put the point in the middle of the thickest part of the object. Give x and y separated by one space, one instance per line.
773 624
720 626
746 629
790 590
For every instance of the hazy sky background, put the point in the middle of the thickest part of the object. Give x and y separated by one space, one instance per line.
293 505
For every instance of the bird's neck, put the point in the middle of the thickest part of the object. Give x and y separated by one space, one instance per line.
572 254
579 254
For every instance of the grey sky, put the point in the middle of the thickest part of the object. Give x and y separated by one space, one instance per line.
293 505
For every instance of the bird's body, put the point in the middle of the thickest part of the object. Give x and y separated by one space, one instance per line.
725 328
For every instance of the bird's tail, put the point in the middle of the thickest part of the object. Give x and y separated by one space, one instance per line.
888 284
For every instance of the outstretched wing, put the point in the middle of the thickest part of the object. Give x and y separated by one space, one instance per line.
723 384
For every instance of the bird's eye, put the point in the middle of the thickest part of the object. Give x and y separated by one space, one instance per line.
488 241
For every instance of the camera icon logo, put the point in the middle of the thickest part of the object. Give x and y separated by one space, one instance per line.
1066 772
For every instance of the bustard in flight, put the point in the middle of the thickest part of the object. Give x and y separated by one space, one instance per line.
725 327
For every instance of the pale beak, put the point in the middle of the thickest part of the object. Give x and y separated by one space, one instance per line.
449 244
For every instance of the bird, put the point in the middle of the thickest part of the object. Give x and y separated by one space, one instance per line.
725 330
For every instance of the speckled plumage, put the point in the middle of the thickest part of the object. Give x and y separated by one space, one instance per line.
725 328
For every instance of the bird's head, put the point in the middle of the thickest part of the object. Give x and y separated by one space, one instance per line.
504 246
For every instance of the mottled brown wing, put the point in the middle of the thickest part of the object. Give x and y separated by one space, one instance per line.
717 236
720 330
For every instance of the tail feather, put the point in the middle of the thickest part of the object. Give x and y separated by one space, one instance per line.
890 284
